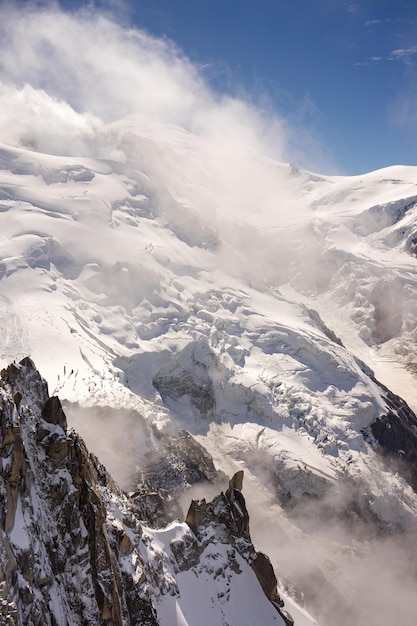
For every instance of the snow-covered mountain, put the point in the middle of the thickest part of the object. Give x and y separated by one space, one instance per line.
262 330
74 549
201 308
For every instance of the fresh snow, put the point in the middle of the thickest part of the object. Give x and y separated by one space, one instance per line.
209 593
162 264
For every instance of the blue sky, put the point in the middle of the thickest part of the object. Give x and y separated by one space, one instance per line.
332 66
344 71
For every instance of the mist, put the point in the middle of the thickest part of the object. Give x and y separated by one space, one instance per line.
81 84
119 438
82 72
342 571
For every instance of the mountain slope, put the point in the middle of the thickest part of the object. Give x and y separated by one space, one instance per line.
108 268
74 549
252 313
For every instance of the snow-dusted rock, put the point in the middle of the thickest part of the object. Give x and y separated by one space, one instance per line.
75 549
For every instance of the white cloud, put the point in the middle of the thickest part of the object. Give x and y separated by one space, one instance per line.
95 65
40 122
403 54
373 22
85 70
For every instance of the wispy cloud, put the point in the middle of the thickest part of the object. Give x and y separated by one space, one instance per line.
390 20
403 113
351 7
373 22
87 69
404 54
370 61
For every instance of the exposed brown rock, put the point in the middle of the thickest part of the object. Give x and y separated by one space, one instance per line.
236 482
76 538
14 475
17 398
126 546
265 574
53 413
196 515
229 509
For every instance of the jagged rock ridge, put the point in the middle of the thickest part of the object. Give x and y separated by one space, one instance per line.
229 509
75 549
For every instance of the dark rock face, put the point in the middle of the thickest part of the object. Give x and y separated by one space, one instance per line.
179 461
265 574
196 384
158 508
314 315
53 412
395 435
194 380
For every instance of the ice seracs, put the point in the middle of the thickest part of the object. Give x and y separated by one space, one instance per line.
258 316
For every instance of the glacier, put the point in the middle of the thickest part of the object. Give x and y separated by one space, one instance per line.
263 337
202 307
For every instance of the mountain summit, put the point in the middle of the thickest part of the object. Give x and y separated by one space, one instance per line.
196 324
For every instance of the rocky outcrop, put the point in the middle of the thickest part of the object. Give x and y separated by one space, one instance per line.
189 374
394 436
175 463
229 511
315 317
158 508
59 551
195 384
75 549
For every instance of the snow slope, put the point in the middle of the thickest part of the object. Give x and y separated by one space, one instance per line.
175 283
